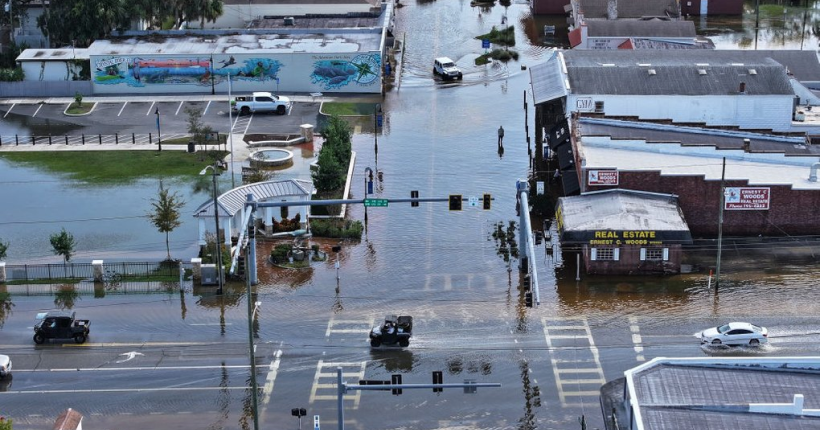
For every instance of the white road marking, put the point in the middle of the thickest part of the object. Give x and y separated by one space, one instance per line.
150 108
177 112
271 378
9 111
38 110
356 374
129 356
206 111
122 109
569 379
637 340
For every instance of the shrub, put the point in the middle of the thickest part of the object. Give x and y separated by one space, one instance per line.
287 224
281 253
11 75
336 228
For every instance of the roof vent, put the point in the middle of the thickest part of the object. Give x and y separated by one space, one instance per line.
289 20
652 72
701 71
752 71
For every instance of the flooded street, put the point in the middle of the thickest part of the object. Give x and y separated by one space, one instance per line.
441 267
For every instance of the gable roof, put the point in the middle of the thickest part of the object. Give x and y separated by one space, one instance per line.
231 202
679 72
640 28
548 79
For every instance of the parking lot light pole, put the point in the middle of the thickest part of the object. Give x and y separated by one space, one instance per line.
159 133
215 173
252 348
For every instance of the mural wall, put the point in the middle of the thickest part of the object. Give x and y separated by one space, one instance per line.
302 73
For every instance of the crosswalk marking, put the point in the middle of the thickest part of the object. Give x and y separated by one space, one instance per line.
327 389
636 338
349 326
573 382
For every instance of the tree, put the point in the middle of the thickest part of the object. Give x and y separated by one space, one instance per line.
166 213
199 131
80 22
330 174
4 247
63 244
338 136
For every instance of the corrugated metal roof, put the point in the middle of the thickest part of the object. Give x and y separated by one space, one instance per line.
231 202
688 80
640 28
620 209
548 79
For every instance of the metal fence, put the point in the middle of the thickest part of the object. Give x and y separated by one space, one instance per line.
85 271
44 88
89 139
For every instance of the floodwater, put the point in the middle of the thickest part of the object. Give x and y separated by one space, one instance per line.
443 267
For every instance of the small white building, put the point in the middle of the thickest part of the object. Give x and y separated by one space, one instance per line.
240 13
52 64
231 206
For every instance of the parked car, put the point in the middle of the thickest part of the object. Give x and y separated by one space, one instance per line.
735 333
60 325
261 102
5 366
446 68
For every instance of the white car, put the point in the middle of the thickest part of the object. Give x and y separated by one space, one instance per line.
735 333
5 366
446 68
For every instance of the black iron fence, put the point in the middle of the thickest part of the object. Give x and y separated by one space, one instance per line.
48 273
88 139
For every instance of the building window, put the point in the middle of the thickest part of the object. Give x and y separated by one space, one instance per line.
606 254
599 107
654 254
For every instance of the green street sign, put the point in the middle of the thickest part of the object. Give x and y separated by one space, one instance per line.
375 203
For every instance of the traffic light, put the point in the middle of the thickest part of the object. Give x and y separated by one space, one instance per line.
538 236
414 195
528 299
438 378
396 380
455 202
488 201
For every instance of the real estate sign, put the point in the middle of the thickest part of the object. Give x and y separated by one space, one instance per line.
602 177
747 198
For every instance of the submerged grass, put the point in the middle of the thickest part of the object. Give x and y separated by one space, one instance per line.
99 167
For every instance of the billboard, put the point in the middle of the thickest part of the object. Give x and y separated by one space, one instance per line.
746 198
602 177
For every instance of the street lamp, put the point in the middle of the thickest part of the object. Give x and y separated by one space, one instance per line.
251 347
159 133
214 173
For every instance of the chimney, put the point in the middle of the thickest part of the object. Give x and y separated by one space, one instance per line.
742 88
813 172
612 9
747 145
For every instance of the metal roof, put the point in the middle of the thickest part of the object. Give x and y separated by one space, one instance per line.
620 209
629 8
640 28
231 202
677 394
548 79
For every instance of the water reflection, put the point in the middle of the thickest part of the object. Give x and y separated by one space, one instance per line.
6 306
393 360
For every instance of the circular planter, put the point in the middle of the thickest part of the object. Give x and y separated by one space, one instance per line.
271 158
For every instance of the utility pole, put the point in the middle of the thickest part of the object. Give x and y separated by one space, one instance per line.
720 223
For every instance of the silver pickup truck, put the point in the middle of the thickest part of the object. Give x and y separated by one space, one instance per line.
261 102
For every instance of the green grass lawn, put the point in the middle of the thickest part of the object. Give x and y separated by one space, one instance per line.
115 166
75 109
335 108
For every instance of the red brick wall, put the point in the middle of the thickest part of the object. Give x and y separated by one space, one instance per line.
549 7
791 212
629 262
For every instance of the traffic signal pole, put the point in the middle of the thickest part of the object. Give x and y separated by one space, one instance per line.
526 239
343 388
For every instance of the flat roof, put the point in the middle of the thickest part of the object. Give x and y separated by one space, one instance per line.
640 28
62 54
236 43
620 210
677 159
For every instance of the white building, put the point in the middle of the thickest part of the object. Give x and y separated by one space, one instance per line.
52 64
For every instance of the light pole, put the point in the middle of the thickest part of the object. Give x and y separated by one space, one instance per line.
214 173
251 347
377 122
159 133
230 129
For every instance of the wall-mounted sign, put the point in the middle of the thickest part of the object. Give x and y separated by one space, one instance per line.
602 177
584 104
747 198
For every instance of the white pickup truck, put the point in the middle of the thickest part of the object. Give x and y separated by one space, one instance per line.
261 102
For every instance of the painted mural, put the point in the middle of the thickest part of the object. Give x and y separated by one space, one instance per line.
142 71
333 74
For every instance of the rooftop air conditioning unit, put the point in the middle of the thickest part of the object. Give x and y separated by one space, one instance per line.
288 20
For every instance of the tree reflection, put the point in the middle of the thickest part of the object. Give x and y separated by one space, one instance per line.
65 296
532 399
5 307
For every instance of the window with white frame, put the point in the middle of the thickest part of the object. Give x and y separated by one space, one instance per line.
654 254
604 254
599 107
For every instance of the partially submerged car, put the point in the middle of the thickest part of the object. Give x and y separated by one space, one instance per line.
60 325
446 68
735 333
393 331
